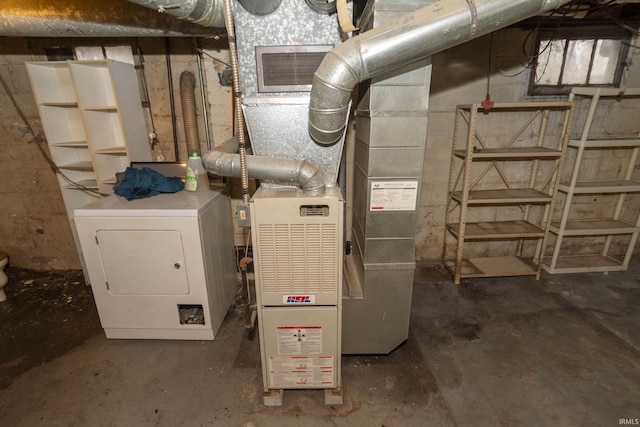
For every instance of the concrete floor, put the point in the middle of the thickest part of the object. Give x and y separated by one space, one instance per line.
564 351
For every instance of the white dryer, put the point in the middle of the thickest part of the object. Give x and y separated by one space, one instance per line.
161 267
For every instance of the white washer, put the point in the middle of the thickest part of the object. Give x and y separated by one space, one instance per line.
161 267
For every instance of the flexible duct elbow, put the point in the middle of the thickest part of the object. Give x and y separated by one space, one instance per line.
189 117
410 38
300 173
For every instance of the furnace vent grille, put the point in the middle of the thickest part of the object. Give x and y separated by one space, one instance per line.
288 68
298 258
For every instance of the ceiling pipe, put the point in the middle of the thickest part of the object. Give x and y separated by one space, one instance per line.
207 13
92 18
410 38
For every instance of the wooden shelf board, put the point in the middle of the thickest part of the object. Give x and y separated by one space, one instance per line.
495 267
602 186
77 166
510 153
498 230
583 264
606 143
595 227
88 183
112 150
71 144
512 196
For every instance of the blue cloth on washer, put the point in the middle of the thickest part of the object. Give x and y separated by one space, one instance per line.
141 183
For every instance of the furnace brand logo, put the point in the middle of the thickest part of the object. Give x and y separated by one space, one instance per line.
299 299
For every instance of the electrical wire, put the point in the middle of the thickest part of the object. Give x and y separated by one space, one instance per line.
531 57
201 51
39 139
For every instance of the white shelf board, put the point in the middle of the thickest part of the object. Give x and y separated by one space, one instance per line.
108 181
60 104
594 227
583 264
77 166
498 230
606 143
112 150
109 108
87 183
591 91
602 186
71 144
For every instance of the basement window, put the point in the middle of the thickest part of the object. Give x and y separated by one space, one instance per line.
578 57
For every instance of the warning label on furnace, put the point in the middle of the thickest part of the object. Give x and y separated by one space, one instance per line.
299 340
301 372
394 196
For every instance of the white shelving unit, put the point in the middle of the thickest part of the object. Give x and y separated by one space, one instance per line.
111 108
606 228
92 117
476 198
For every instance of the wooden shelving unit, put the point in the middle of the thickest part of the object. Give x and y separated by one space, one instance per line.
618 187
526 169
92 117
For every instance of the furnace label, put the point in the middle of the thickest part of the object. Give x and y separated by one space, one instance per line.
299 340
394 196
298 299
301 372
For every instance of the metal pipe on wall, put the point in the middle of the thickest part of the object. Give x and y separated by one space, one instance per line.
237 98
167 47
412 37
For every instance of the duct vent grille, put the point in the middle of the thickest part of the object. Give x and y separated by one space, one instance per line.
288 68
314 210
298 258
